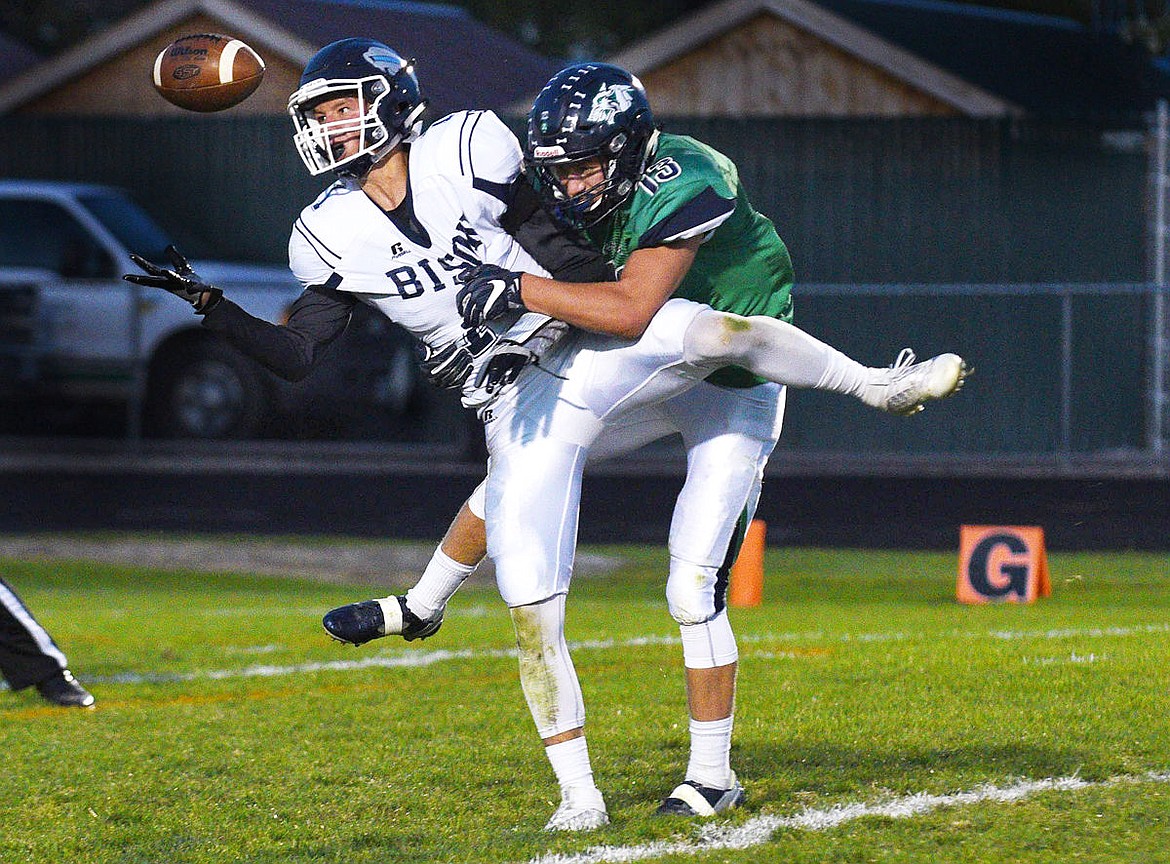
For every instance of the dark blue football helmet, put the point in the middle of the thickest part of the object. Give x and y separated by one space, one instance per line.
390 105
586 111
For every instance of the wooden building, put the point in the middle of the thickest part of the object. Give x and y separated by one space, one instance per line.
793 58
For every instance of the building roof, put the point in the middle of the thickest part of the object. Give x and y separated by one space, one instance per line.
452 48
981 61
462 62
813 17
1056 68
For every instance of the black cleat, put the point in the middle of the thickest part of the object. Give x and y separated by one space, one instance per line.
414 627
691 799
359 623
62 689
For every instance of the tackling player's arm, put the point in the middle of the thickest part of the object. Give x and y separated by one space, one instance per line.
555 247
622 308
665 234
665 230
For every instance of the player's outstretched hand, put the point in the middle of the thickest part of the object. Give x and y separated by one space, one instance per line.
488 292
446 367
182 281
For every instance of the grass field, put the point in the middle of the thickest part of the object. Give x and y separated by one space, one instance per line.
878 720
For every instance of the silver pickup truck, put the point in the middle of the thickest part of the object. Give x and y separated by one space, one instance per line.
73 331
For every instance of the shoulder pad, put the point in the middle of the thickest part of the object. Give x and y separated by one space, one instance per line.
472 144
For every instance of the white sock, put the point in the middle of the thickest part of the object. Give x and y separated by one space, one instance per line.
438 583
710 763
570 763
845 375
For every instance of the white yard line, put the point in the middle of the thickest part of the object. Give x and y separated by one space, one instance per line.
759 830
420 658
398 661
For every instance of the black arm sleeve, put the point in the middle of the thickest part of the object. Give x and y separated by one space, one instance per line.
290 350
556 247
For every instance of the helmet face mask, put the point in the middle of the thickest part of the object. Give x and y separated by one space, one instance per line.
590 111
388 104
599 181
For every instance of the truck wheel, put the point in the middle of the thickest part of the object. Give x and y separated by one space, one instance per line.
206 390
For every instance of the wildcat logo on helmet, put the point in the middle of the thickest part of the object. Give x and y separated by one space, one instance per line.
609 102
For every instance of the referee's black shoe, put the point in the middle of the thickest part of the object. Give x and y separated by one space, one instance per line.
62 689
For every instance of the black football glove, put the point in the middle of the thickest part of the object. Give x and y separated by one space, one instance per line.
488 292
446 367
183 282
503 367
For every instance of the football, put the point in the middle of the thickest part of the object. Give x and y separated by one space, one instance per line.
207 72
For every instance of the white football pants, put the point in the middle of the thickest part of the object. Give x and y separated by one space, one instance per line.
541 433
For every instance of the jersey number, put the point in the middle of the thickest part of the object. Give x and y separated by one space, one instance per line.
662 171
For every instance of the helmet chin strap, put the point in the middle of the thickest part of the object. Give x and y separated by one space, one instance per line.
412 127
413 122
377 156
651 148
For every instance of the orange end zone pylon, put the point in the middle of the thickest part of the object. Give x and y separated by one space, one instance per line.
747 573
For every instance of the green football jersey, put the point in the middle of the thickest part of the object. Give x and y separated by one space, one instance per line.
742 267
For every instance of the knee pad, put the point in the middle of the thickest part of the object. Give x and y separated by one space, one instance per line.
709 644
711 340
692 592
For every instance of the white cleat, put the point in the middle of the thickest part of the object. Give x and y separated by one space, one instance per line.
576 819
579 812
906 386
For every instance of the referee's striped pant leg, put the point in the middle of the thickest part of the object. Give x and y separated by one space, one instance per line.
28 653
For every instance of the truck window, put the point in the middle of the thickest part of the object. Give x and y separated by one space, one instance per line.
46 236
133 226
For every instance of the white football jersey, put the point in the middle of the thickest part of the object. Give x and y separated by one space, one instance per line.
459 172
